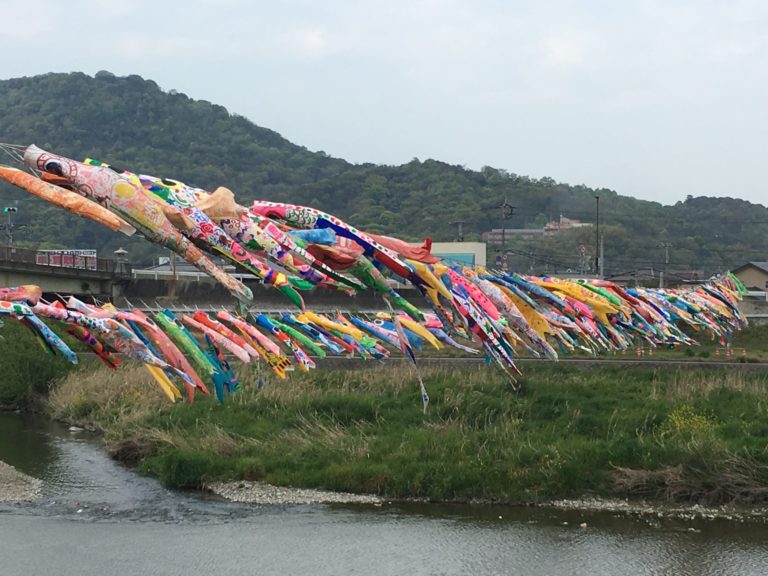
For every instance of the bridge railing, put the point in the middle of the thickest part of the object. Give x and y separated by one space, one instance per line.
28 256
182 274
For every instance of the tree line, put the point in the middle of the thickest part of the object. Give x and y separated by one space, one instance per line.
132 122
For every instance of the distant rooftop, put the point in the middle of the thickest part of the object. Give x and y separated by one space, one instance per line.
761 265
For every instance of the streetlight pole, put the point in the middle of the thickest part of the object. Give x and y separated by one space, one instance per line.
597 235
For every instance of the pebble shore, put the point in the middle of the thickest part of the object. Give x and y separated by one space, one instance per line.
16 486
657 510
261 493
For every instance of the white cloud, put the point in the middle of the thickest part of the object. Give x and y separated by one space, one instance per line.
565 51
307 41
27 23
140 46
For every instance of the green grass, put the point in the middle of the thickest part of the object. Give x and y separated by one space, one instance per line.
26 369
676 434
748 345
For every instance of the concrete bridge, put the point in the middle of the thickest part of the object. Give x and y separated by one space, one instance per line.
184 287
204 293
22 266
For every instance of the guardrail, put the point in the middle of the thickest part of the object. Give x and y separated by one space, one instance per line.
168 275
32 257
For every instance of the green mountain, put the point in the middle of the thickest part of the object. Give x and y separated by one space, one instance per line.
132 122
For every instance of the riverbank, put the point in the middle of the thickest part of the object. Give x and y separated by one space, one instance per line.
682 435
16 486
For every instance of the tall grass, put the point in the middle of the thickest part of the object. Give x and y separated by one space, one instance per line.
26 369
690 434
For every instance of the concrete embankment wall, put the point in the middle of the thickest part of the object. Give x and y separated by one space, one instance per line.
756 309
206 293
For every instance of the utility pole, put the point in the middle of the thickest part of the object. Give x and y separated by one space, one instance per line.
602 257
597 235
9 223
172 283
666 245
507 211
460 231
583 260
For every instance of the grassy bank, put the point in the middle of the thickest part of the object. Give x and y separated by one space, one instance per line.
674 434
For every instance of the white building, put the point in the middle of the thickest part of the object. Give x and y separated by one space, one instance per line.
467 253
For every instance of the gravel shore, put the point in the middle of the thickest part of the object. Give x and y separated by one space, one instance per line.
661 510
261 493
16 486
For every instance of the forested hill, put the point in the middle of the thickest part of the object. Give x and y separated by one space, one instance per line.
132 122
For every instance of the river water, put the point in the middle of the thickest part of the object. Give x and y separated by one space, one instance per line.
97 518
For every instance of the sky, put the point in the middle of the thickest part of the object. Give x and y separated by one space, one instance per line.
657 99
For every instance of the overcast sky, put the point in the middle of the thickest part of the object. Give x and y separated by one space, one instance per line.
653 98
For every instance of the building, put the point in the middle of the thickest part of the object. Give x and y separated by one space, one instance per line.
653 278
466 253
754 275
555 226
552 227
494 236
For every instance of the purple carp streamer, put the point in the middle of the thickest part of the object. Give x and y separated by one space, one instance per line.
298 248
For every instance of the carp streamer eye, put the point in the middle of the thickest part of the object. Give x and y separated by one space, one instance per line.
54 167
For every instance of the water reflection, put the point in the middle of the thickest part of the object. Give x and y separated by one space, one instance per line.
26 442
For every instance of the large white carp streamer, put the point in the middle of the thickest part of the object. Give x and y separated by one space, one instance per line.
298 248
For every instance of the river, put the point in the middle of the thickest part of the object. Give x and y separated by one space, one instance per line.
96 517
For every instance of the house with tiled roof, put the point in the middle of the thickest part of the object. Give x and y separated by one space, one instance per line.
754 275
